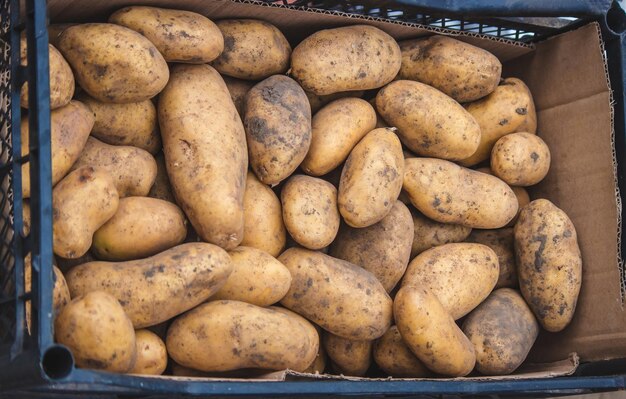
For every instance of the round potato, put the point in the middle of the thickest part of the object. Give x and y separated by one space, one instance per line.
310 211
357 57
113 63
395 358
151 354
317 101
253 49
98 332
429 123
180 36
371 179
162 189
428 233
501 241
348 357
340 297
238 88
520 159
277 120
549 263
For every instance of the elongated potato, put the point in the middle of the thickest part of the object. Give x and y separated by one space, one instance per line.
462 71
205 152
501 241
429 123
161 189
82 202
371 179
141 227
336 129
428 233
502 330
230 335
357 57
449 193
395 358
113 63
317 101
549 264
155 289
151 354
349 357
238 88
340 297
431 333
69 129
278 128
520 159
383 248
180 36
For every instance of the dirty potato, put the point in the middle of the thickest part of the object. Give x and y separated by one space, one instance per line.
428 233
151 354
520 159
348 357
501 241
238 88
395 358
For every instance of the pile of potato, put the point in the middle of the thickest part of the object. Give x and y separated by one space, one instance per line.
231 206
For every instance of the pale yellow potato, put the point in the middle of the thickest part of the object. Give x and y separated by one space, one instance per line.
520 159
501 241
151 354
162 189
318 101
349 357
238 88
428 233
395 358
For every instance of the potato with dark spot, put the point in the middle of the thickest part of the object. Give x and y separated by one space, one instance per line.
371 178
501 241
310 211
277 120
520 159
317 101
253 49
238 88
383 248
428 233
231 335
162 189
460 275
180 36
395 358
549 263
348 357
460 70
155 289
151 354
429 123
448 193
98 332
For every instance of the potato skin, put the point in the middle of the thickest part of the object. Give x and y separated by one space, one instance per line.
501 241
371 178
141 227
336 129
113 63
310 211
82 202
549 263
429 234
180 36
460 70
520 193
238 88
349 357
383 249
205 152
253 49
520 159
395 358
340 297
161 189
448 193
98 332
151 354
277 120
155 289
231 335
429 123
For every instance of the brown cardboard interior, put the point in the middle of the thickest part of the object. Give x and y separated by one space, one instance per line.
567 77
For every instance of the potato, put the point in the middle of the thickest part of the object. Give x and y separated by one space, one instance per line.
151 354
449 193
395 358
253 49
431 334
429 123
69 129
141 227
460 275
133 124
383 249
310 211
340 297
82 202
55 30
520 193
336 129
205 152
520 159
263 226
133 170
155 289
509 109
357 57
349 357
180 36
501 241
230 335
549 264
428 233
460 70
277 120
238 88
98 332
161 189
371 179
502 330
317 102
257 278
